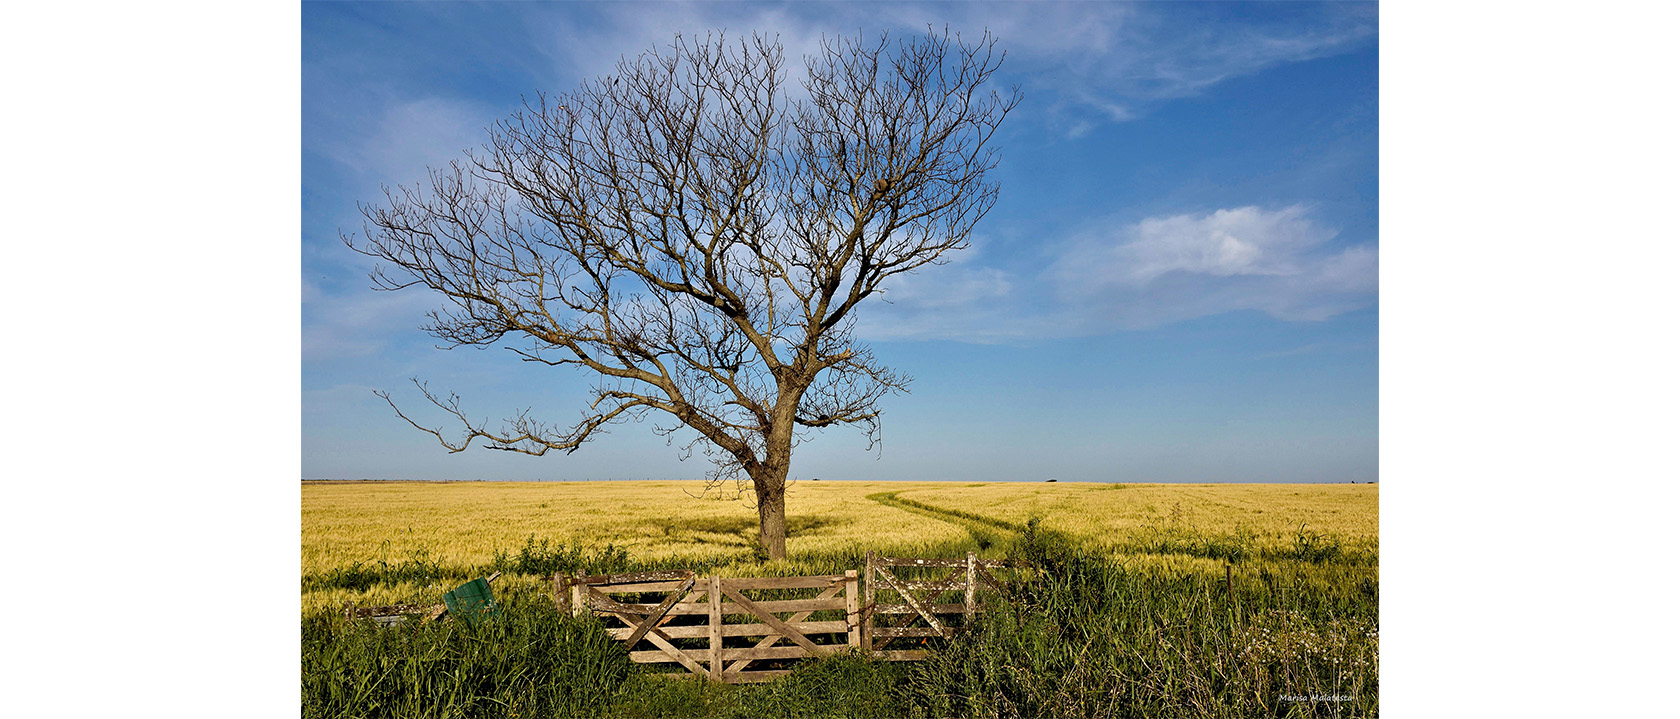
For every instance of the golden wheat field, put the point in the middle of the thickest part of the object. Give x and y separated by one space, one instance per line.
463 525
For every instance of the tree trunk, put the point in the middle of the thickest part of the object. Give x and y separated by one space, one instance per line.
772 520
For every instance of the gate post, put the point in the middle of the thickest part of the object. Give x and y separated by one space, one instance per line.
714 624
854 627
867 640
968 592
579 605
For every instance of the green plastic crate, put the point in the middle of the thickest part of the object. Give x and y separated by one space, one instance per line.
472 601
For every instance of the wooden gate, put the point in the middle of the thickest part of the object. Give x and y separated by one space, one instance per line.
718 627
909 606
686 618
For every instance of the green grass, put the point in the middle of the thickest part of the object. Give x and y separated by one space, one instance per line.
1080 633
529 662
1123 609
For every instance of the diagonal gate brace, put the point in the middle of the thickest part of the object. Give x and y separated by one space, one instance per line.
659 613
795 635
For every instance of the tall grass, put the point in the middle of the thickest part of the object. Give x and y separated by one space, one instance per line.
1084 636
539 559
529 662
1075 634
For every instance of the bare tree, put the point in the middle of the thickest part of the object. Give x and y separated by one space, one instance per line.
699 239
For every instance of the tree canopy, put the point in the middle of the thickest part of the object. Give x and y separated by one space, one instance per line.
698 236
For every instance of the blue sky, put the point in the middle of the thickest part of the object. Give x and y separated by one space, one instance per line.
1178 282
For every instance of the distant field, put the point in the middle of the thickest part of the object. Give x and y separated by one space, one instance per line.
460 527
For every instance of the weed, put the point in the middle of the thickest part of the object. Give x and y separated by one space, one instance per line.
539 559
1315 547
419 568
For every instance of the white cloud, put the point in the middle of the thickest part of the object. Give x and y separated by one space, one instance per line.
1167 269
1147 274
1240 241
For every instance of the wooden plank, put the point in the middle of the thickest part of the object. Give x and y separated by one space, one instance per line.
660 613
752 653
634 577
897 622
812 582
908 562
599 600
780 605
944 585
833 626
852 608
769 618
741 653
753 677
639 587
905 620
907 609
892 581
797 621
562 593
914 632
987 576
602 603
389 610
714 627
954 563
902 655
703 631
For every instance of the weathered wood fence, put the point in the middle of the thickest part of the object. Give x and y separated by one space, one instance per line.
687 619
909 606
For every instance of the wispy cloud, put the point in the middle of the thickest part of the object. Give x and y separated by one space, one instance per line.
1100 63
1087 64
414 135
1147 274
924 305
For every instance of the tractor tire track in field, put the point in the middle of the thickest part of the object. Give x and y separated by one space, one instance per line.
986 531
